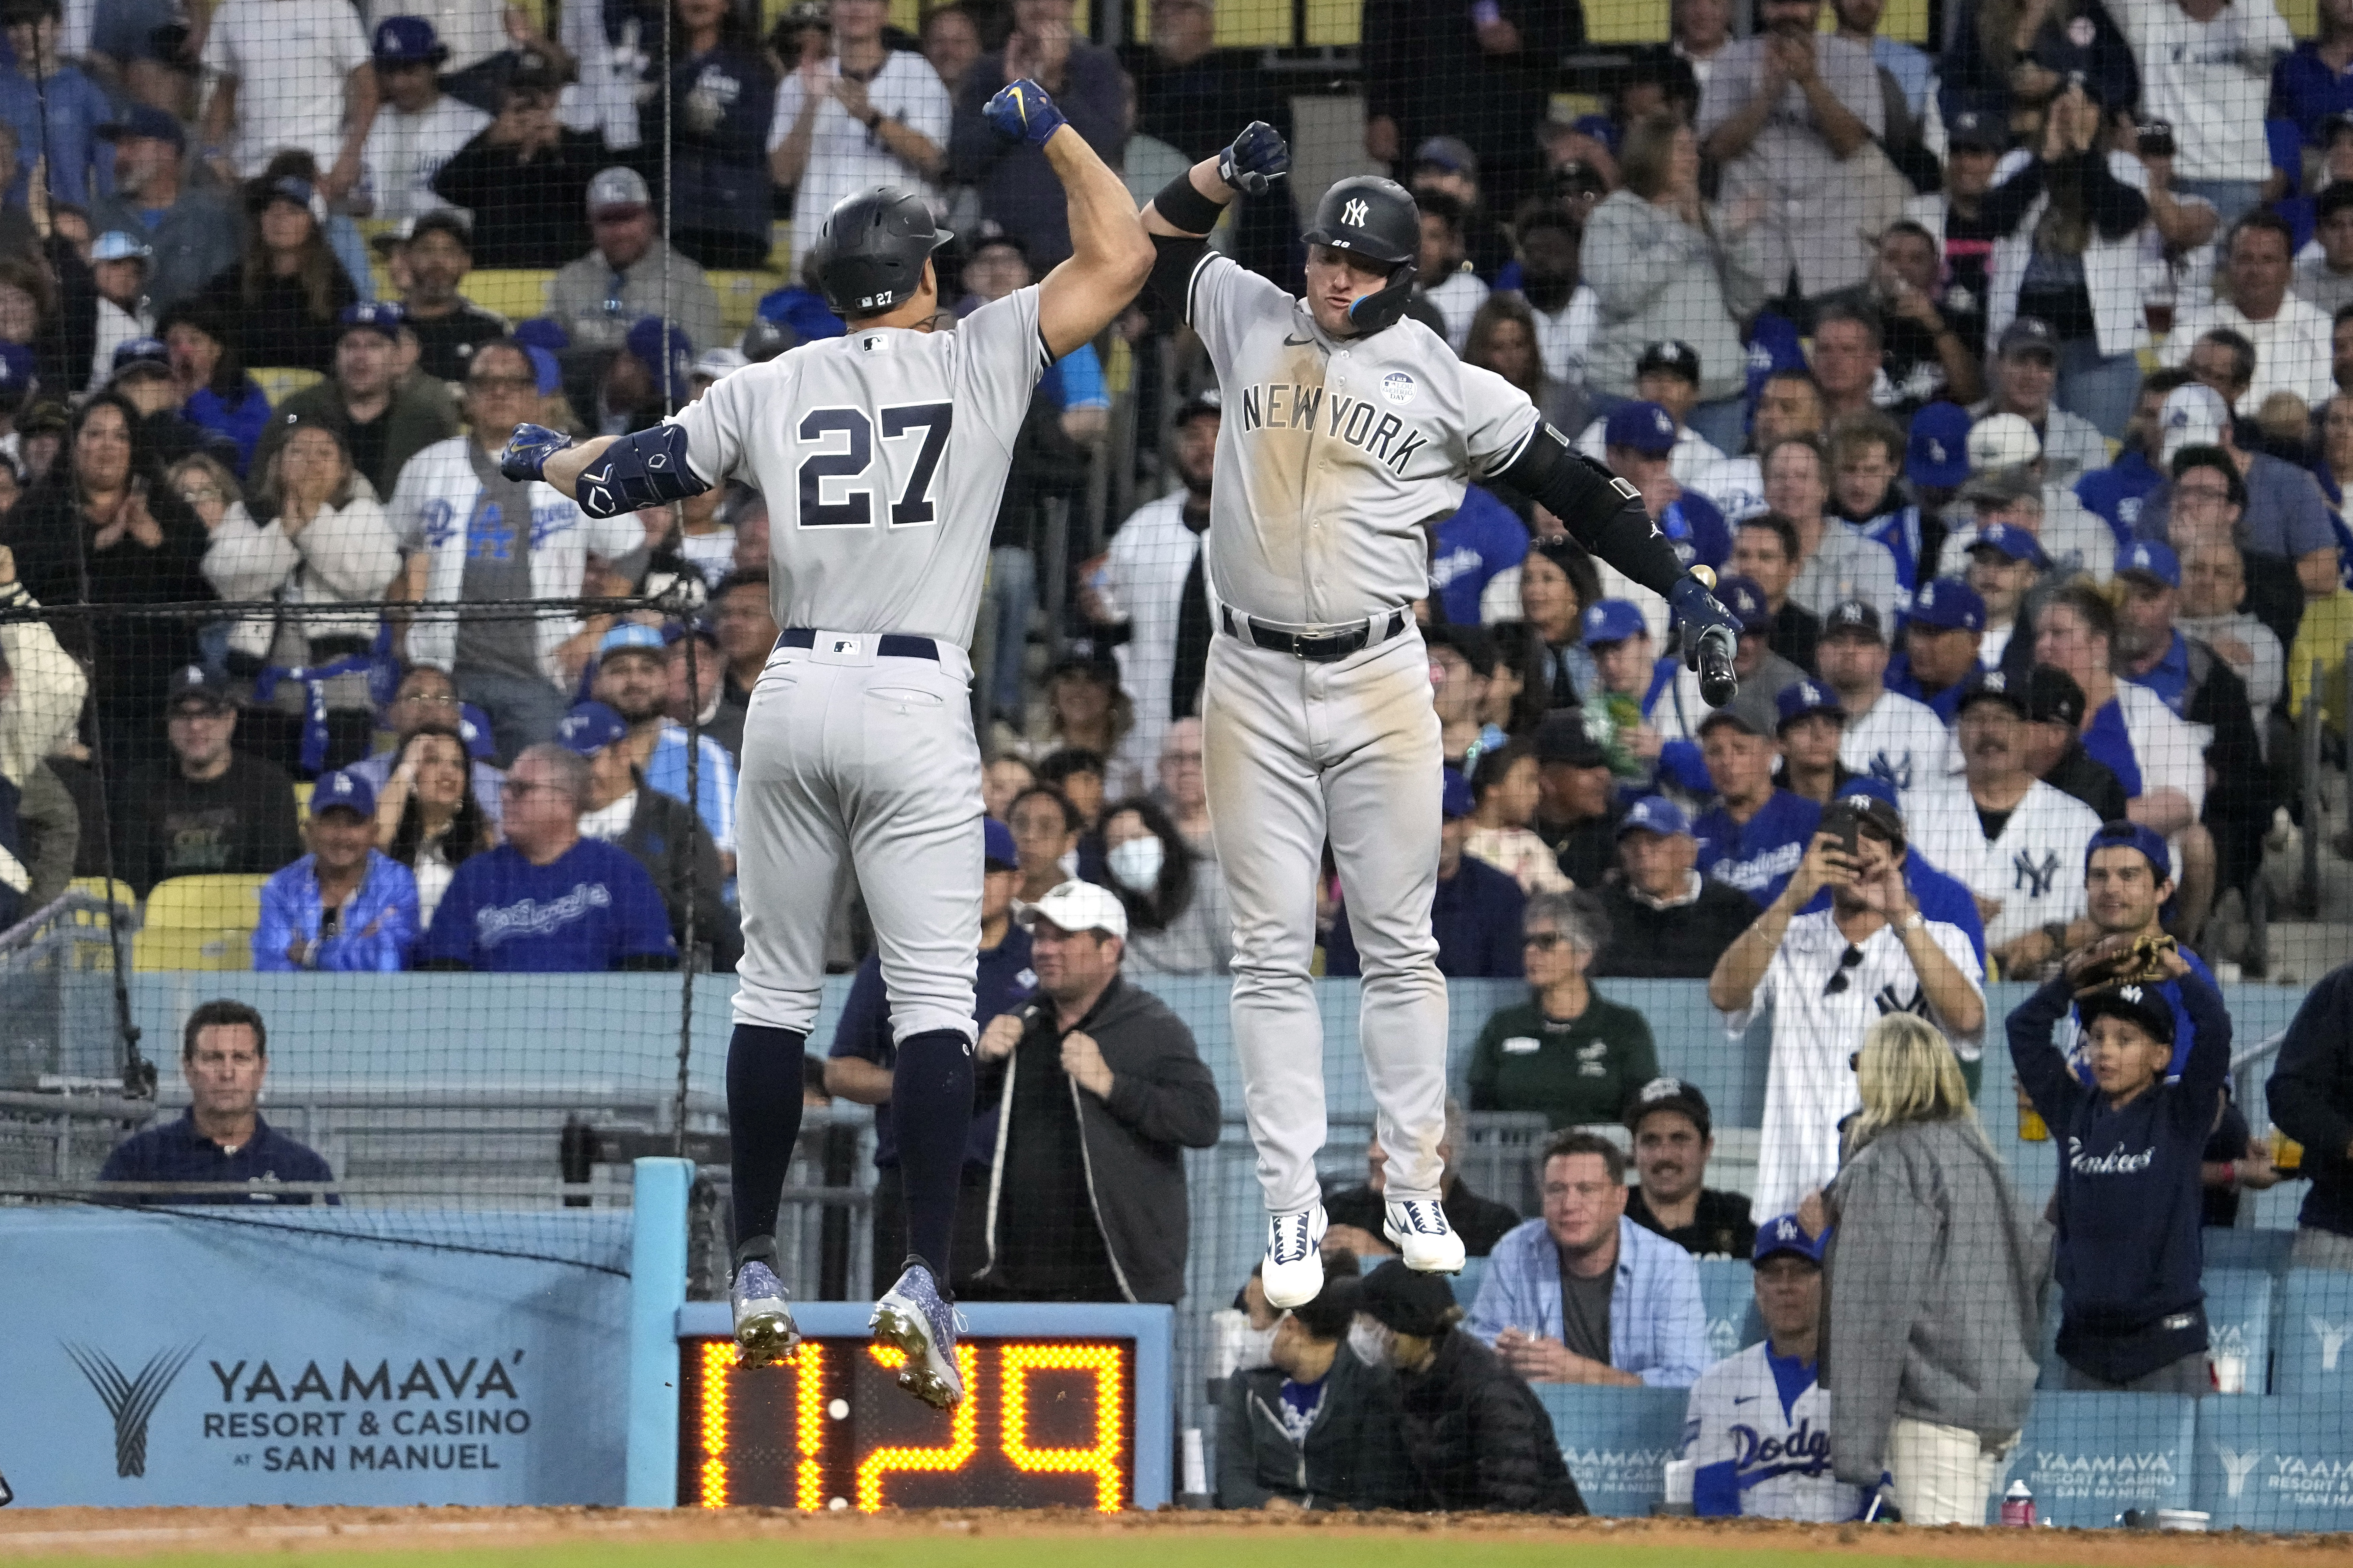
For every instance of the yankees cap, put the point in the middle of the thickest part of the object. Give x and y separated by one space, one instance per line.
1855 619
2028 335
1776 1236
2144 1007
1668 1094
1872 799
1975 129
1992 686
2053 697
1672 356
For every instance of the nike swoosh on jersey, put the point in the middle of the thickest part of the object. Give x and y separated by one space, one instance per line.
1745 1399
1292 342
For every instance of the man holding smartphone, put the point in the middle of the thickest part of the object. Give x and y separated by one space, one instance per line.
1826 975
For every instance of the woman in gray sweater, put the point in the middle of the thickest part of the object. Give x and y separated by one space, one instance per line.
1665 271
1932 1283
1179 922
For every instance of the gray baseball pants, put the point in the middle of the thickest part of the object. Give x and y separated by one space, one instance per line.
854 758
1296 753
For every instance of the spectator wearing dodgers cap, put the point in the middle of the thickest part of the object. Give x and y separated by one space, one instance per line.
2005 562
1666 921
1809 723
2010 481
1667 372
1638 441
346 905
1673 706
1941 642
660 830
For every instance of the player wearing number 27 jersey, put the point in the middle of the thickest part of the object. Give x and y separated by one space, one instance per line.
1348 432
882 455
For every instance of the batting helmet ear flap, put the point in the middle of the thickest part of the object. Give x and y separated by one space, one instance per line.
1385 306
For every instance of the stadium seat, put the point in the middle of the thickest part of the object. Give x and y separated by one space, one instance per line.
2239 1319
2089 1457
2273 1464
199 922
1727 1287
280 382
739 298
2315 1323
1617 1441
1466 1284
2265 1250
516 292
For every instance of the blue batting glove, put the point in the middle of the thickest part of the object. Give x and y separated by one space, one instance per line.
1698 612
1022 112
525 455
1259 157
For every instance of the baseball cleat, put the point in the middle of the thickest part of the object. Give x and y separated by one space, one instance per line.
1292 1274
1417 1227
910 1318
764 1331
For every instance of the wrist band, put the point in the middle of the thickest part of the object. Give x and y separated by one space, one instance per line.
1185 207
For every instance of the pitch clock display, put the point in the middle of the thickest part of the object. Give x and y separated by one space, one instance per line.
1044 1423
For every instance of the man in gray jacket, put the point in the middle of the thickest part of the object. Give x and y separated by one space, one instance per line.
1099 1091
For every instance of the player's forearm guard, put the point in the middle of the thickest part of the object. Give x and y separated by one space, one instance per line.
1604 512
1185 207
648 468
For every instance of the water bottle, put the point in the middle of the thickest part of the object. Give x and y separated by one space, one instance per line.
2018 1506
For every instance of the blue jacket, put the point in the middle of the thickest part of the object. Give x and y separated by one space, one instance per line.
1475 914
379 922
77 107
1658 1326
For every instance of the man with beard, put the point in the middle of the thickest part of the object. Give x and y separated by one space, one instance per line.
1673 1137
1888 735
2015 846
385 419
1152 589
438 253
2004 563
1566 310
633 679
190 229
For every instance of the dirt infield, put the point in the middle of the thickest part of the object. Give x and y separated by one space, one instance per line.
982 1538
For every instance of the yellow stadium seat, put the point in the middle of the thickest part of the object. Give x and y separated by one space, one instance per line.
280 382
517 293
302 788
199 922
739 298
124 900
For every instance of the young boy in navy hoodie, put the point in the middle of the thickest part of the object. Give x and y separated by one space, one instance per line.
2134 1313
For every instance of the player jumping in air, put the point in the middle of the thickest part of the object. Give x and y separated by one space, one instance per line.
1347 429
882 455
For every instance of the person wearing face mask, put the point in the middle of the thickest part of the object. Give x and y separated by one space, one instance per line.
1475 1439
1315 1428
1178 918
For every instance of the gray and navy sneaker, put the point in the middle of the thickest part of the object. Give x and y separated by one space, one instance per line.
764 1331
1292 1273
1417 1227
911 1318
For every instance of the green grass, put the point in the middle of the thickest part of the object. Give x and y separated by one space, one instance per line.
1137 1549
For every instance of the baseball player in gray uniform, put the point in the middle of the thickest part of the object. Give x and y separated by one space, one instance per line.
1347 430
882 455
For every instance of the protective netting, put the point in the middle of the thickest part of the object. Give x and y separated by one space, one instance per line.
1989 354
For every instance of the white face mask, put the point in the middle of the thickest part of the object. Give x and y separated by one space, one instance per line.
1372 1342
1255 1347
1136 863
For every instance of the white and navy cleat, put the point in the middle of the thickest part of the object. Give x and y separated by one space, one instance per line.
1417 1227
910 1318
764 1331
1292 1274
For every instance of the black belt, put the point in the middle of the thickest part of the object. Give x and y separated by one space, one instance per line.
889 645
1321 649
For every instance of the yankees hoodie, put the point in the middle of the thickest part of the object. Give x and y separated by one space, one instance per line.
2129 1253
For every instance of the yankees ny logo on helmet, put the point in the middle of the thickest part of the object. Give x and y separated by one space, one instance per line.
1353 214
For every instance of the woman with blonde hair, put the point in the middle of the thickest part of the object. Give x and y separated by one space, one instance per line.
1931 1310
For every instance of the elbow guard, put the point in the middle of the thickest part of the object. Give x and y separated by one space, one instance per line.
1603 512
648 468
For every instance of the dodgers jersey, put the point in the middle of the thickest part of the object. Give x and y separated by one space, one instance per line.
1757 1427
1336 451
882 455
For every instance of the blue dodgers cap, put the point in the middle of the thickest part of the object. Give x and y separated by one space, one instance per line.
1454 795
997 846
16 367
629 634
1938 452
380 316
2009 541
1801 698
474 728
1654 814
672 375
142 120
589 728
1613 620
546 374
1948 603
2123 834
2157 562
1645 426
1745 599
1786 1234
543 332
407 41
343 790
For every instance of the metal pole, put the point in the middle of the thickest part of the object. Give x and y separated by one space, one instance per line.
2307 894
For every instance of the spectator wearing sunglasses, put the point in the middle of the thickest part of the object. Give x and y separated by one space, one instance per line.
1826 976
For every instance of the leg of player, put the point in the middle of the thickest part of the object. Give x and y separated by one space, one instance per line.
916 841
1382 798
1266 812
788 844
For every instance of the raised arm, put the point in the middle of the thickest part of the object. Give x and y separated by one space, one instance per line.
1109 255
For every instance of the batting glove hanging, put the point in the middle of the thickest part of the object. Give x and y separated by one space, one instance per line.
525 455
1259 157
1022 112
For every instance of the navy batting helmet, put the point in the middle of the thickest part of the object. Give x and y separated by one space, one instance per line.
1377 218
872 247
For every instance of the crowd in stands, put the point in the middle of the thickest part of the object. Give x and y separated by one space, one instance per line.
2006 383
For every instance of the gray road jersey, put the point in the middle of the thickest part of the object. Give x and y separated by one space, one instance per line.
1334 451
882 455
